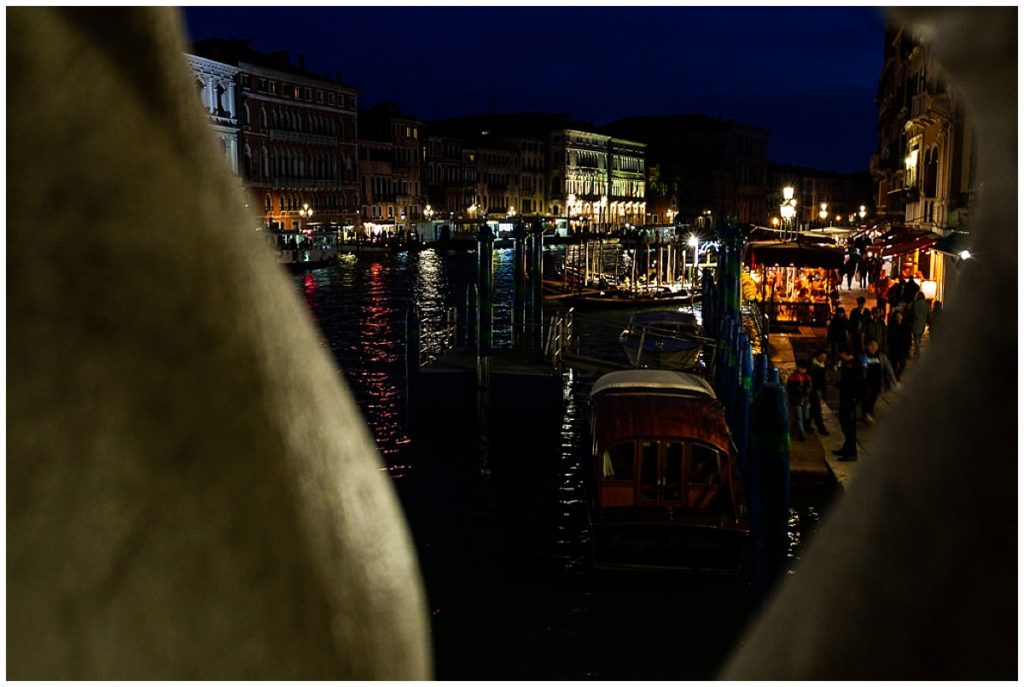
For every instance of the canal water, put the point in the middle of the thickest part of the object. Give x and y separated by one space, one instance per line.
500 526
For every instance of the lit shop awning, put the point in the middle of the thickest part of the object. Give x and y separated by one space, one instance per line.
904 240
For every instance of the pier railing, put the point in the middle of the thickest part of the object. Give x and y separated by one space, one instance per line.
561 338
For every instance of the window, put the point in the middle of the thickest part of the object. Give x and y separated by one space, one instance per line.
673 474
618 462
268 203
330 98
705 465
649 471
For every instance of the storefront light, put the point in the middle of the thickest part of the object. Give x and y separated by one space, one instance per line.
929 288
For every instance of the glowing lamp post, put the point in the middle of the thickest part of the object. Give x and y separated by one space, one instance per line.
428 212
824 212
863 211
694 243
306 212
788 208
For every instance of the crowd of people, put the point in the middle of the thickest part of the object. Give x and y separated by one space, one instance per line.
868 350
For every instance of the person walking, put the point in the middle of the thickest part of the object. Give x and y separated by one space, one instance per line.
863 267
899 339
882 292
910 290
851 383
919 319
877 370
895 294
935 315
818 372
857 326
838 334
873 327
798 391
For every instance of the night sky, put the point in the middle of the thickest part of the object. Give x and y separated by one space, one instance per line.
807 74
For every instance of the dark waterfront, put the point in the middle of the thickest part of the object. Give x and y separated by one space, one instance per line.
500 523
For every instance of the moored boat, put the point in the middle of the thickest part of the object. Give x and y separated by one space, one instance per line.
667 340
668 492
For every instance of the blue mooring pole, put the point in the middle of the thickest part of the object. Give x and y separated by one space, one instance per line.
485 306
519 252
536 285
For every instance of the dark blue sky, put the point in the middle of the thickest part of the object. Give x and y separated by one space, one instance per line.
806 74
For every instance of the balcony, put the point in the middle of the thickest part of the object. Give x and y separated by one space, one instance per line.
928 108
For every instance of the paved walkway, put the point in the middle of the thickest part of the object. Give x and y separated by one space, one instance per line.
784 349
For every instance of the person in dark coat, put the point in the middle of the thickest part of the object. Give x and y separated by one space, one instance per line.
851 385
877 371
899 339
819 381
873 327
935 316
856 326
895 294
838 333
910 291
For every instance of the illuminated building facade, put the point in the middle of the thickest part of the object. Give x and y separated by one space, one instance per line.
923 166
597 179
297 143
392 150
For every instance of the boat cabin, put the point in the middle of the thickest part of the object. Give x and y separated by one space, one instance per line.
664 464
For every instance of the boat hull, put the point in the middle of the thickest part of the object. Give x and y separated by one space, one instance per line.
672 546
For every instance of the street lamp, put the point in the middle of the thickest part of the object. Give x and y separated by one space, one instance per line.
511 211
788 207
694 243
824 212
306 212
428 212
863 211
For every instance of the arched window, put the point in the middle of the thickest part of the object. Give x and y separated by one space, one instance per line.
246 115
264 124
247 162
264 163
202 92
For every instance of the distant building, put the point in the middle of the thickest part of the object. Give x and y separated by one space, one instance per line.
391 153
598 178
697 163
297 136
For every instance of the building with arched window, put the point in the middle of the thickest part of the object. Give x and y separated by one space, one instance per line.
295 141
217 85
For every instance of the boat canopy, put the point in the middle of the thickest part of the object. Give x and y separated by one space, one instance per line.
665 381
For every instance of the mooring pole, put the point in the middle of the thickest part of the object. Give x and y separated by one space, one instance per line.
485 312
519 276
537 285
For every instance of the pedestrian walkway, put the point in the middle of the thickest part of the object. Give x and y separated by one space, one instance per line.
783 351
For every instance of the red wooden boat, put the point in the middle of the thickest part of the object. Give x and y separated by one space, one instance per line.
668 489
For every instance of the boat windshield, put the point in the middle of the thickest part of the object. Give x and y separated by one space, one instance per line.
681 473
